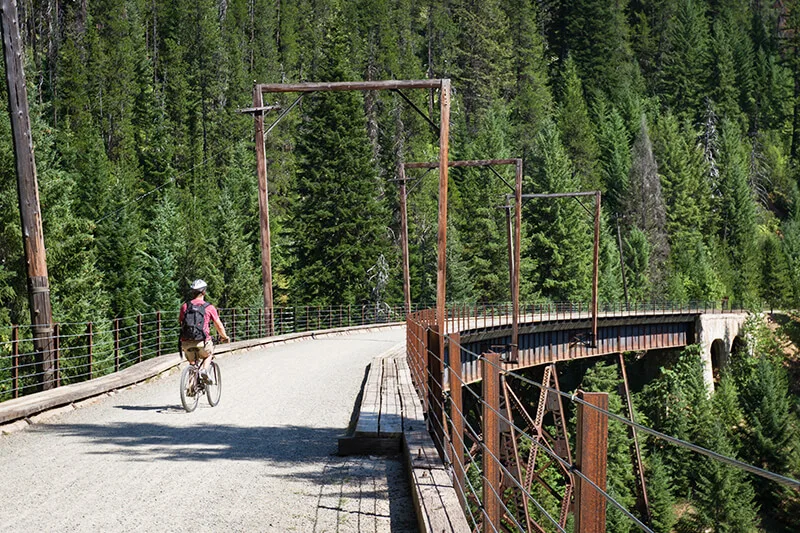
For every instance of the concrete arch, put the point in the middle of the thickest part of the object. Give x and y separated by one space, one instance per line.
716 334
719 358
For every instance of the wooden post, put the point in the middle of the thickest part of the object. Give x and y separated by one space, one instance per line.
592 455
491 441
158 333
116 345
15 360
28 189
139 336
434 378
457 416
90 347
263 201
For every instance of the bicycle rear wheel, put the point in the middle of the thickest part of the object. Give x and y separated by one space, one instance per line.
214 390
189 396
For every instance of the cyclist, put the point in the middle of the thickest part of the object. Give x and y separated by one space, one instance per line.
195 317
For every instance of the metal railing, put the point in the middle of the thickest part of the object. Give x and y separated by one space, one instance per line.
87 350
465 423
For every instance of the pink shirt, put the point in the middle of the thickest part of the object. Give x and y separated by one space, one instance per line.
211 313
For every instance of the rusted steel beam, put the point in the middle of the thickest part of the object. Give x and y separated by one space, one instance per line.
57 352
116 345
595 266
592 456
139 337
350 86
404 240
642 501
466 163
491 441
517 259
435 376
263 208
28 191
557 195
441 271
90 346
15 360
158 333
457 416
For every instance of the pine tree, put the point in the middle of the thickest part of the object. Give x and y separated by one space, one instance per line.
686 58
560 229
576 129
776 287
737 210
660 495
615 156
339 226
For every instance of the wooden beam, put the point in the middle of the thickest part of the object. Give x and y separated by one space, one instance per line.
351 86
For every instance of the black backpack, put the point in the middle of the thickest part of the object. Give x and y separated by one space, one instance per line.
193 320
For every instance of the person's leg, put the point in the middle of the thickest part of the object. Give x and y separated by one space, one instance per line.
207 353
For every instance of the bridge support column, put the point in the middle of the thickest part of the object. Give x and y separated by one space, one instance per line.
592 450
715 334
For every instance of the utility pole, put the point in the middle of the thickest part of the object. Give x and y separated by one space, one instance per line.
29 211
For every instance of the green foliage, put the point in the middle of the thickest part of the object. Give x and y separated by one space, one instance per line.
560 229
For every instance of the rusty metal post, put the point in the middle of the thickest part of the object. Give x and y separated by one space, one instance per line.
441 271
592 455
116 345
15 360
596 263
260 322
457 416
158 333
491 441
435 375
28 190
57 352
517 260
246 323
139 336
233 325
90 346
263 201
404 239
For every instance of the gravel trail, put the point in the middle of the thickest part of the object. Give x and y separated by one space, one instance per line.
262 460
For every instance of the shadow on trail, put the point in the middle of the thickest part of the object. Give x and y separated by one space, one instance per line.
160 442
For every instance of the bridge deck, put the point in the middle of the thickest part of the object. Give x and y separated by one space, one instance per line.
262 460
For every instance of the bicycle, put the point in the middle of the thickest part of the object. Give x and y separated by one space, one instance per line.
193 386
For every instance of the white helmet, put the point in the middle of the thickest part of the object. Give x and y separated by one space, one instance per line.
199 285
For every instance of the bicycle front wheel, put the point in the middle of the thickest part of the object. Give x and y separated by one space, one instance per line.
214 389
189 396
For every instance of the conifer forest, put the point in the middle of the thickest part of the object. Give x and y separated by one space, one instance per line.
684 113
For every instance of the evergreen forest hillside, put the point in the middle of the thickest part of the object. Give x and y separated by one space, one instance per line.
685 113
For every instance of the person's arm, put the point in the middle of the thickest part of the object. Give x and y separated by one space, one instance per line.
219 326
